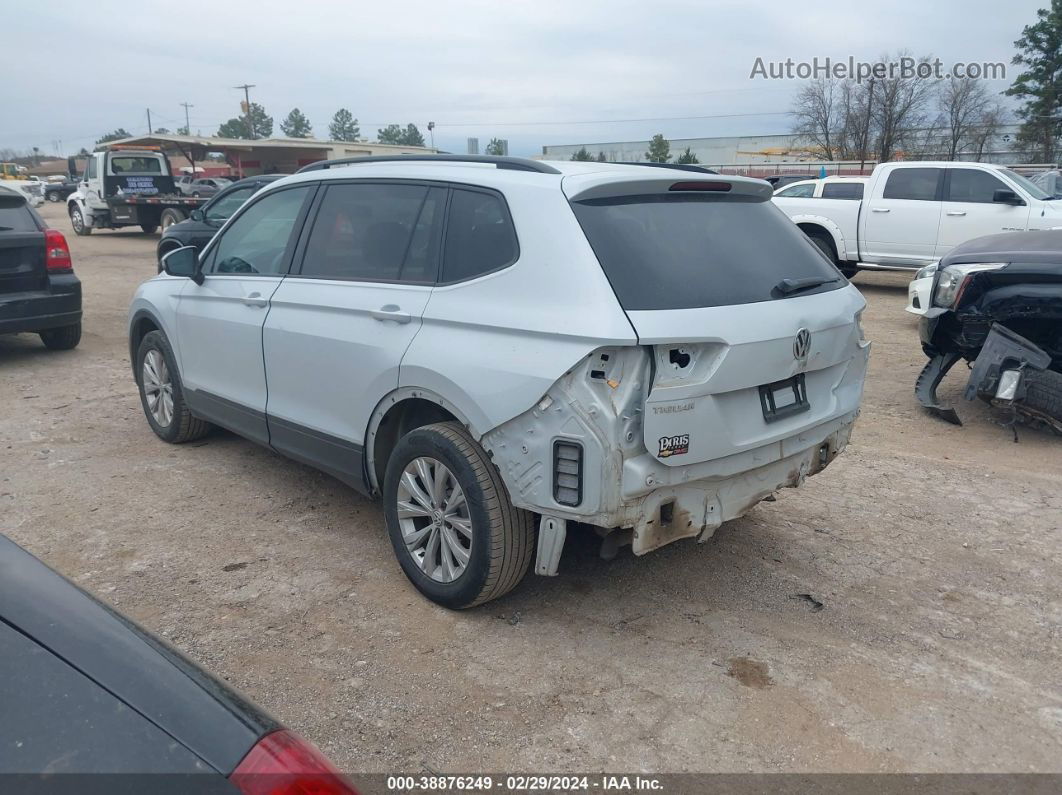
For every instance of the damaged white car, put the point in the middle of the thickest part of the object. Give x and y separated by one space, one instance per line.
501 348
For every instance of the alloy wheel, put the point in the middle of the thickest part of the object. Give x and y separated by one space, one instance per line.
434 519
158 388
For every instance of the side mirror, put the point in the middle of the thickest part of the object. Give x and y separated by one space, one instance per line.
183 261
1004 196
197 215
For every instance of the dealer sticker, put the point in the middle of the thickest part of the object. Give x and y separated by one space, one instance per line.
674 445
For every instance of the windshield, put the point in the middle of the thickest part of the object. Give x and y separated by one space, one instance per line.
678 251
1028 185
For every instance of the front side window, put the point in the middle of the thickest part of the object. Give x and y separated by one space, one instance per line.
479 236
919 184
798 191
375 232
257 241
225 207
973 186
90 169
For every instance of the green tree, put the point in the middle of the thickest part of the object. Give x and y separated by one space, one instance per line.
113 136
394 134
343 127
659 149
412 136
161 131
1039 85
296 125
495 147
261 125
183 131
582 154
687 157
601 157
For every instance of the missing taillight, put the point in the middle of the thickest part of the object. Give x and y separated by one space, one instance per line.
679 358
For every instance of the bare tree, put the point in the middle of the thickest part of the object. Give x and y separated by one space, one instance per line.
818 116
900 108
987 128
963 103
856 115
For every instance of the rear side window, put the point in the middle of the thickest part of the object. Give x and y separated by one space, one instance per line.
679 251
971 185
919 184
15 215
842 190
375 232
479 236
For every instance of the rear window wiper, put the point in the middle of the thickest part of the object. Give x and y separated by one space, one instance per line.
790 286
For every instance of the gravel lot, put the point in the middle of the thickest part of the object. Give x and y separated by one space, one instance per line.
935 552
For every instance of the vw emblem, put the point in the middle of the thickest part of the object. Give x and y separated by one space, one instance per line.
802 345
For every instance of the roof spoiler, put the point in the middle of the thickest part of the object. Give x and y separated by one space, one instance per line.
504 163
678 166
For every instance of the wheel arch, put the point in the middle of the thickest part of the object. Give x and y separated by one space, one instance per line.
817 224
398 413
142 323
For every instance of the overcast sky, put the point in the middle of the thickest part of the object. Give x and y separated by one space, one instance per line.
540 72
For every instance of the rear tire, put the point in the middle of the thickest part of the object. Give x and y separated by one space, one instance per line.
1043 399
77 221
149 228
849 271
500 537
54 197
64 338
158 381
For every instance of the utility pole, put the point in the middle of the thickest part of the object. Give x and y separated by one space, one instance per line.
247 105
150 128
187 125
431 132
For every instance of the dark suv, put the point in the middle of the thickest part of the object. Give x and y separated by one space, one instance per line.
208 219
39 292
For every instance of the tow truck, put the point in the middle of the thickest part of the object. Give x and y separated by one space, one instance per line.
127 186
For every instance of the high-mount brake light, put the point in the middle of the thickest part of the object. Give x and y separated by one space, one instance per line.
718 187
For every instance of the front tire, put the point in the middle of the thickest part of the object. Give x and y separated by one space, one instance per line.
169 217
54 197
1043 399
64 338
77 221
454 529
161 393
148 228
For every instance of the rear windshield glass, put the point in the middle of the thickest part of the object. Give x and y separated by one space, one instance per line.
136 165
15 216
679 251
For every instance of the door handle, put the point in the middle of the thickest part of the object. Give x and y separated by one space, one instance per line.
391 312
255 299
956 212
879 209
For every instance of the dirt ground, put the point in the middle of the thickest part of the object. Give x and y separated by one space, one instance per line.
934 551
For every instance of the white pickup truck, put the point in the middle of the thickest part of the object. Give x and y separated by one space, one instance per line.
913 213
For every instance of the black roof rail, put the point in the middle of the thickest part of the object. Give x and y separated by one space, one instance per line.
678 166
506 163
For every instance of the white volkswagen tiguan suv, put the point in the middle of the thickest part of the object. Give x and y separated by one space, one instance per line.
500 346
